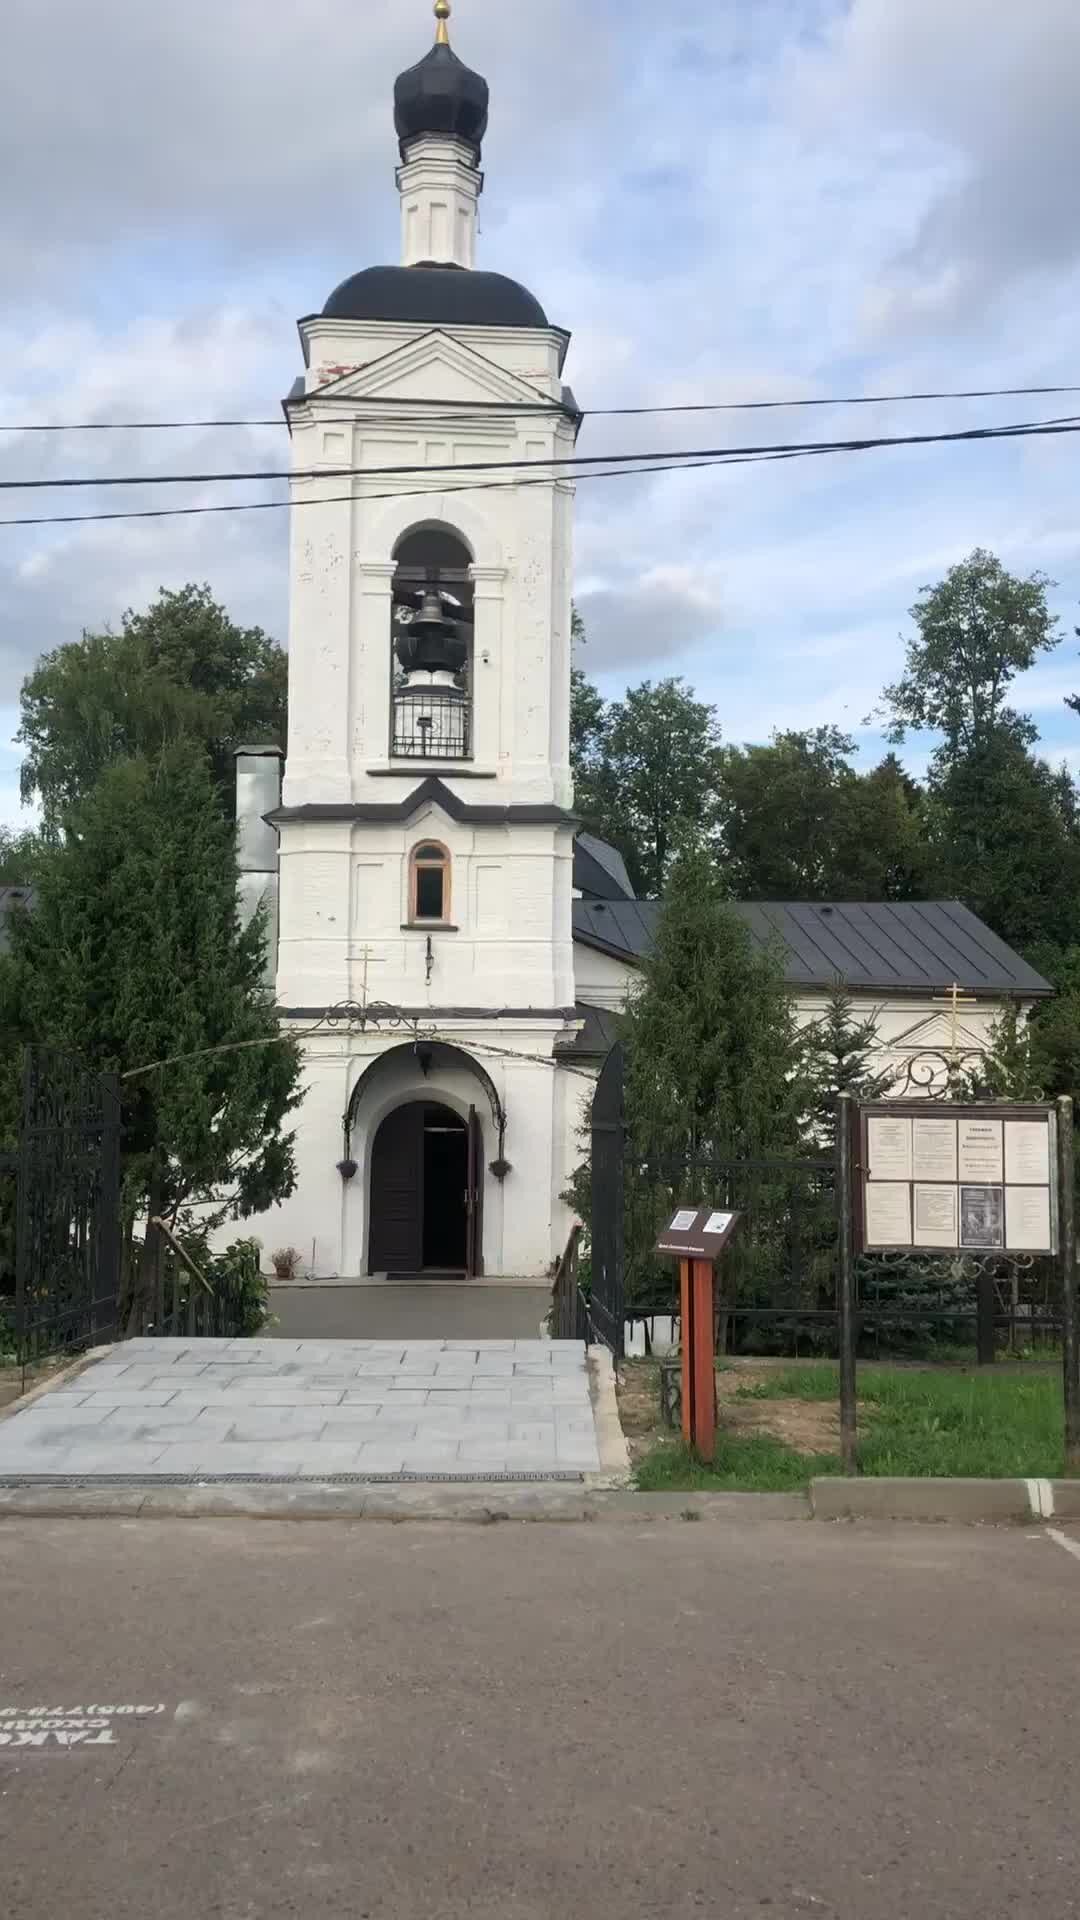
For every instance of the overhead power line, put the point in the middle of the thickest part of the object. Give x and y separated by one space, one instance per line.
480 407
683 465
551 465
341 499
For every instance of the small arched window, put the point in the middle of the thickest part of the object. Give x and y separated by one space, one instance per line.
429 882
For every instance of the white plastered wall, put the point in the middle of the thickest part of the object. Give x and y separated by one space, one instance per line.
525 1221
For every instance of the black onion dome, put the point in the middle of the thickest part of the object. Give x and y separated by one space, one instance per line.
436 297
441 95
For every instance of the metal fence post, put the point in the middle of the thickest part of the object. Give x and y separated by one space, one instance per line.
24 1179
106 1309
986 1315
608 1289
846 1120
1066 1173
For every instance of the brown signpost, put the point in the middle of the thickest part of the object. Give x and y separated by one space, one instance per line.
696 1237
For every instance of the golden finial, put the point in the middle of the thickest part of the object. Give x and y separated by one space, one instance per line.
442 15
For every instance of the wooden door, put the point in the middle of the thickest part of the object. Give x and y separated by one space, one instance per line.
396 1240
474 1199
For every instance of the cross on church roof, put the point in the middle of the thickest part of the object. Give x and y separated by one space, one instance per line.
442 15
955 998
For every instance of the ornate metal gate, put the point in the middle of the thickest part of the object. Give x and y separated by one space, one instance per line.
608 1288
66 1207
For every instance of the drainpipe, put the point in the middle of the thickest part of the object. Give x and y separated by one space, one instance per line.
258 792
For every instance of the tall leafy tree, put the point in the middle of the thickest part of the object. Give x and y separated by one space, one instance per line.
180 670
1002 826
18 852
1004 836
652 789
589 721
885 848
797 822
975 631
134 955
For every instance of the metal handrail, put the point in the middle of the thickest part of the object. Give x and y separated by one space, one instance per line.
564 1293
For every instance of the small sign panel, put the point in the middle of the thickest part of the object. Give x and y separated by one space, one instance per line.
956 1177
698 1233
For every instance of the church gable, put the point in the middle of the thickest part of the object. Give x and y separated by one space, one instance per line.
935 1034
435 367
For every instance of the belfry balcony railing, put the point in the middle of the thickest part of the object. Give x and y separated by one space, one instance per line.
432 723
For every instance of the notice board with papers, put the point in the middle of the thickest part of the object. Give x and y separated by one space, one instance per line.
945 1177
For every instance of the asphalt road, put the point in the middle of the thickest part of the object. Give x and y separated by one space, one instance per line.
392 1723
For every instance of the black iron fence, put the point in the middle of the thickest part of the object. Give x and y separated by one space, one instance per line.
61 1284
197 1298
776 1284
60 1210
777 1288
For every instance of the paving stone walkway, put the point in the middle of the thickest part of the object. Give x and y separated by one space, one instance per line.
308 1409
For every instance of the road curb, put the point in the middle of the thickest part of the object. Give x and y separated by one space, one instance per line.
482 1504
956 1502
610 1438
964 1502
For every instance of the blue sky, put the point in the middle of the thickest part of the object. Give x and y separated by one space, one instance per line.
761 199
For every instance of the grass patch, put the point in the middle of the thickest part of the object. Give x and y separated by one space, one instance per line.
820 1382
742 1463
979 1426
913 1422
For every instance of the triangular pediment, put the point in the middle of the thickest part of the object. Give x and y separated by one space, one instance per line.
936 1034
433 368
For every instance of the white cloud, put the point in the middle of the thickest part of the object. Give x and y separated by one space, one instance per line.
981 94
798 199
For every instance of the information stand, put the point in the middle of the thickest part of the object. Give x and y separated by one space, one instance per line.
696 1237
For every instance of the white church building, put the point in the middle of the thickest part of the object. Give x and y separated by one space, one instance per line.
448 946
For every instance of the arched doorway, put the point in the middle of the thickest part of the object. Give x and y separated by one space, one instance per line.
427 1182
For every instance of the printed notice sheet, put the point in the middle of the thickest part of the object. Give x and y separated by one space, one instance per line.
980 1151
934 1152
889 1142
1027 1153
888 1213
982 1217
937 1216
1027 1219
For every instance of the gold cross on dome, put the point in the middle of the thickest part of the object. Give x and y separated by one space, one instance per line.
442 15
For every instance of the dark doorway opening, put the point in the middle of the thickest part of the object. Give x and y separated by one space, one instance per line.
446 1176
426 1193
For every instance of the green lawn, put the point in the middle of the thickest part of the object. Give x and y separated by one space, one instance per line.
984 1426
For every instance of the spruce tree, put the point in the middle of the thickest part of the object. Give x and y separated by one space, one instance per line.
134 955
714 1059
839 1051
714 1080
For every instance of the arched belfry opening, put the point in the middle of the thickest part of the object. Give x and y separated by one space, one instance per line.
432 640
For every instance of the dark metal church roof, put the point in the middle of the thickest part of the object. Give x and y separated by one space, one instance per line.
600 870
900 947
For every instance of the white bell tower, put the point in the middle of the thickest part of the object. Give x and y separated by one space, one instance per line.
426 832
